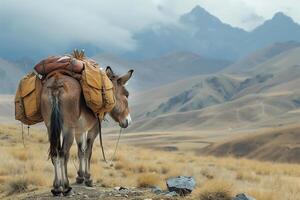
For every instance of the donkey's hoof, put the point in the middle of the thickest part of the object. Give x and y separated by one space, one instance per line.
68 191
56 192
89 183
79 180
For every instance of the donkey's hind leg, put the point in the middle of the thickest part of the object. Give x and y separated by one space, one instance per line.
60 161
68 138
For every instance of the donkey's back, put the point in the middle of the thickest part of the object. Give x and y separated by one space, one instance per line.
63 93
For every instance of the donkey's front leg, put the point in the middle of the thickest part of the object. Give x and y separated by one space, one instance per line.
91 136
82 145
85 144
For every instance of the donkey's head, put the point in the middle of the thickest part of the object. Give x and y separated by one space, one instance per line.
120 113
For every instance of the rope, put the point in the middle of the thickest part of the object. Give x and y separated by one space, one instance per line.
23 135
28 127
110 163
101 141
116 147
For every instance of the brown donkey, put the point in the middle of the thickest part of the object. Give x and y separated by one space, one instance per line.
66 116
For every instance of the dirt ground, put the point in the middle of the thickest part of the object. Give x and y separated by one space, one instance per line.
96 192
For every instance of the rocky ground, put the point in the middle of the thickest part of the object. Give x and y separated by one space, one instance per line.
98 192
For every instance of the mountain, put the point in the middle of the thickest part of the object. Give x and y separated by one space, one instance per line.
200 32
7 109
264 96
278 29
196 31
261 55
171 67
212 36
10 75
148 73
206 92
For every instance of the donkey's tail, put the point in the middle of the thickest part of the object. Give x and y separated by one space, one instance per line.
55 125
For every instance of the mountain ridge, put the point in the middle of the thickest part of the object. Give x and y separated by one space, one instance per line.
202 33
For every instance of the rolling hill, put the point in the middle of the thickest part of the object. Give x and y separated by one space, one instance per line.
250 110
156 72
214 110
259 97
280 144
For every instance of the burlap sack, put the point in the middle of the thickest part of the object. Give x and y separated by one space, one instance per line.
97 89
27 100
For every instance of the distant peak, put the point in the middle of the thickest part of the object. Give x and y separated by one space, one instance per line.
281 16
199 11
198 15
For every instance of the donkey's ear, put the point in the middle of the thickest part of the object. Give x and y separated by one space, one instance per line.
123 79
109 72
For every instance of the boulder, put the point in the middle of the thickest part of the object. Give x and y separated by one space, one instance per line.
182 185
243 197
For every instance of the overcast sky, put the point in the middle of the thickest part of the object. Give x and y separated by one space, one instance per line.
110 24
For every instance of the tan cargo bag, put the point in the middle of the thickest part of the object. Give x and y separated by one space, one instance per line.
27 100
97 89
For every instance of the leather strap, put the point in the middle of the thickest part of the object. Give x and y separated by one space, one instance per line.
63 72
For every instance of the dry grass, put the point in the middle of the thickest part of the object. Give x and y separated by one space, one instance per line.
263 195
247 176
140 167
148 180
216 190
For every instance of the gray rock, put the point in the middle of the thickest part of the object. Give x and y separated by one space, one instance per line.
243 197
182 185
156 190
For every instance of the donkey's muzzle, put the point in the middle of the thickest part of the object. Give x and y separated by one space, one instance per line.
126 122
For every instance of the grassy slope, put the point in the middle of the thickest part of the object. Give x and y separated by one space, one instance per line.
280 144
260 97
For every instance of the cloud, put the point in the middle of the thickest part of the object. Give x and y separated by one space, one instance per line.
34 26
30 25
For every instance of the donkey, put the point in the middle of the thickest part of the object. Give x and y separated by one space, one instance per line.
66 117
